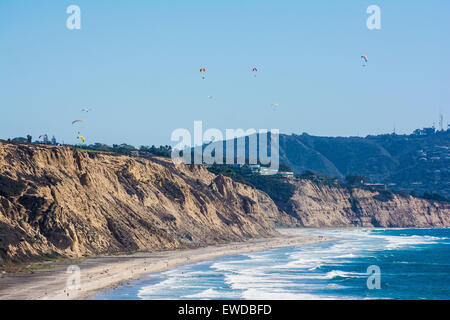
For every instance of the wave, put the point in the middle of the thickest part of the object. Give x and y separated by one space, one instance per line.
280 294
341 274
326 270
211 294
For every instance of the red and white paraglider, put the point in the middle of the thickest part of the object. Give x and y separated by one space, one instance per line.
203 71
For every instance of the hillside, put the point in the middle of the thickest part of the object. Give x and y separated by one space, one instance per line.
57 201
336 206
419 162
329 203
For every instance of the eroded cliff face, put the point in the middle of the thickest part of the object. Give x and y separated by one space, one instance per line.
60 201
57 200
330 206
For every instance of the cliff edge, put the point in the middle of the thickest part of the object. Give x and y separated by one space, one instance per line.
320 205
59 201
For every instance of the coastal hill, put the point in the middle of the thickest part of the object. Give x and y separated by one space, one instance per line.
320 201
419 162
58 201
327 205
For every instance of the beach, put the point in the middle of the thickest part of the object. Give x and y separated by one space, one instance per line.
358 264
108 272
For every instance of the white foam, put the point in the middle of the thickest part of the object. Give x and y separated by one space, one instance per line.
213 294
271 275
337 273
279 294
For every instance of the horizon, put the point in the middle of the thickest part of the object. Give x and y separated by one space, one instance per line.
34 139
135 66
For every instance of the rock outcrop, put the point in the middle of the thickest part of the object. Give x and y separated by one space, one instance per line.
65 202
322 205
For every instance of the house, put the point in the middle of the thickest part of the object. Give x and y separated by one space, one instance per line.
268 171
379 186
286 174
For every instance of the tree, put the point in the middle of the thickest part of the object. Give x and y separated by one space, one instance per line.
162 151
20 139
308 174
123 148
29 138
435 197
355 179
285 168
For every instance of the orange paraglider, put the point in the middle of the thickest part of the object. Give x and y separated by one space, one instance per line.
203 70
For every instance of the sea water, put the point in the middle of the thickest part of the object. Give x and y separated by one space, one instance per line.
413 264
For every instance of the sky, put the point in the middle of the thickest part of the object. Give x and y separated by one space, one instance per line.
136 65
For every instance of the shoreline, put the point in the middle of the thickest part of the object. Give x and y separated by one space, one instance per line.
108 272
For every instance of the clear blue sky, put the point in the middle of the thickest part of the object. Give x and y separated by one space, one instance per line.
136 64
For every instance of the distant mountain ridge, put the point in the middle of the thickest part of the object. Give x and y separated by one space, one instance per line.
418 162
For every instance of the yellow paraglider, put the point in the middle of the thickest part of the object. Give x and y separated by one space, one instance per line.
82 138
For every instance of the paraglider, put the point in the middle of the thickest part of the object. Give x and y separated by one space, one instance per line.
210 97
255 70
43 135
274 106
364 61
78 132
86 109
203 74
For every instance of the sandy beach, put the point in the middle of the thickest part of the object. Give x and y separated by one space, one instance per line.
106 272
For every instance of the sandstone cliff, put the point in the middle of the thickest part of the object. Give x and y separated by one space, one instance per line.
331 206
61 201
64 202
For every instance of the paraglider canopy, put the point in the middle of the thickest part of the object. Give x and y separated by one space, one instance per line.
82 138
203 70
76 121
364 60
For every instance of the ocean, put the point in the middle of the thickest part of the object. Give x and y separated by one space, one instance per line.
359 264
